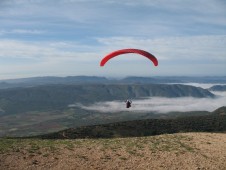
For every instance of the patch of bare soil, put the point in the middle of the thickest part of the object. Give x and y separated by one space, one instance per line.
185 151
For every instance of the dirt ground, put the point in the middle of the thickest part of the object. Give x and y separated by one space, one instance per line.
185 151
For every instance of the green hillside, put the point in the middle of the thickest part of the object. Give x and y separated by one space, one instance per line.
215 122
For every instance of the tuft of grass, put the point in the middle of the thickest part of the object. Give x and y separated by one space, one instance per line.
9 144
123 158
83 157
132 152
169 143
45 155
33 148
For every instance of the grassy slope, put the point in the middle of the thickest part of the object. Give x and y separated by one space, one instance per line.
138 128
177 151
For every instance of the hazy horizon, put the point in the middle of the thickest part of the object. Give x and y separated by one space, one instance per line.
117 77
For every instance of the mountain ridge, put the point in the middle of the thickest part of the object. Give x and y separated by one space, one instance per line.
218 88
47 80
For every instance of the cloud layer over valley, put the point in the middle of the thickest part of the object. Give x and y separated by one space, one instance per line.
163 104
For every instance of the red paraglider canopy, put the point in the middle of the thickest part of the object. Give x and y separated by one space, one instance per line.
124 51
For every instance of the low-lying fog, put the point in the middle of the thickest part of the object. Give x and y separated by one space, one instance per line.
163 104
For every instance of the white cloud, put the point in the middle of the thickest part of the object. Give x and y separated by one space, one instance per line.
196 48
46 50
112 11
162 104
27 59
175 48
21 31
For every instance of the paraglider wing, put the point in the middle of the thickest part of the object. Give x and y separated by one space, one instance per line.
124 51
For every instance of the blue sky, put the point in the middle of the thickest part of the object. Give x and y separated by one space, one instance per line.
69 37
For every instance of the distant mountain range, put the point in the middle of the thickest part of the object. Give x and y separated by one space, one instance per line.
218 88
175 79
54 97
35 81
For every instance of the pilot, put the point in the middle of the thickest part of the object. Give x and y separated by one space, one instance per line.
128 103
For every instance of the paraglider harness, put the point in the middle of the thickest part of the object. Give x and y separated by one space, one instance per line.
128 103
